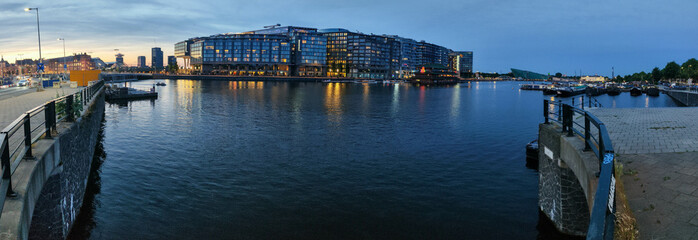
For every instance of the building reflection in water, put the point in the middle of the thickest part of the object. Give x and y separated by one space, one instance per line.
333 101
366 98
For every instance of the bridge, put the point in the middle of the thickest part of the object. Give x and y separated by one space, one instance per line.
46 155
115 77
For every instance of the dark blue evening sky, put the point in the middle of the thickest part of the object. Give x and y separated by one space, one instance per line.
544 36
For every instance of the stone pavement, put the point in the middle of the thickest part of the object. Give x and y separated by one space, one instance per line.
659 150
662 191
11 108
650 130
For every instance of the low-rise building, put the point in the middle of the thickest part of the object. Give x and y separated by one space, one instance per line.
593 79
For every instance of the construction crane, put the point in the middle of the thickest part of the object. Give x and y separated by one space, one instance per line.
273 26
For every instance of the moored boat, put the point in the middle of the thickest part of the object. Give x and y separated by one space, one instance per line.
571 91
635 91
653 91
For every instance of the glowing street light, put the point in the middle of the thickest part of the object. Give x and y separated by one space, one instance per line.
38 33
65 66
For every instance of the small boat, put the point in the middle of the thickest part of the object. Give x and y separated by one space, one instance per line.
571 91
550 91
532 149
635 92
160 84
532 154
536 87
327 81
653 91
366 81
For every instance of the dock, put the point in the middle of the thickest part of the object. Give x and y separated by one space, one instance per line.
126 93
659 150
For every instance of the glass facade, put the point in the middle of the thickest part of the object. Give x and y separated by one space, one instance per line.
301 51
357 55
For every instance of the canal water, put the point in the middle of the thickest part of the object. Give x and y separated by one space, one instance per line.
266 160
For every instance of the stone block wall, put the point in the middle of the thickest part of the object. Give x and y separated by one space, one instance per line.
560 195
62 195
689 99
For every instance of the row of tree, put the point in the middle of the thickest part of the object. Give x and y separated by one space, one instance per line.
671 72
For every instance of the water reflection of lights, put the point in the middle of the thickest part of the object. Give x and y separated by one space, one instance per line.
647 102
455 102
422 94
333 101
396 99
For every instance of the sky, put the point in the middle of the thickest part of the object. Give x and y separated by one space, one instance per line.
589 36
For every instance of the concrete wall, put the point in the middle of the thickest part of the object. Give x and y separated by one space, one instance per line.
686 98
567 180
51 188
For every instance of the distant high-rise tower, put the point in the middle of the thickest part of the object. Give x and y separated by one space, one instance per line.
119 59
157 60
141 61
171 60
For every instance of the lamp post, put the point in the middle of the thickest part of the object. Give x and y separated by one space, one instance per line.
38 33
65 66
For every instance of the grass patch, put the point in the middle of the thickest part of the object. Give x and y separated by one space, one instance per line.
626 225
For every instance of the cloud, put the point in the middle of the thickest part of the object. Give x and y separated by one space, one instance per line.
530 34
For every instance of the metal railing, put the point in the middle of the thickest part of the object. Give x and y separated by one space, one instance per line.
578 121
40 122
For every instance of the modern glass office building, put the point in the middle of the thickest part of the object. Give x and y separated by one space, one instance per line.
301 51
141 62
308 49
358 55
241 54
157 59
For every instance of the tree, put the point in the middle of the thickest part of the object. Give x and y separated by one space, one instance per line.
656 74
172 68
672 70
689 69
558 75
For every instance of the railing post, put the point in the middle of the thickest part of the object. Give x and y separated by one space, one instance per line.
69 108
582 103
28 136
572 101
6 173
602 149
559 111
49 118
545 110
570 120
587 136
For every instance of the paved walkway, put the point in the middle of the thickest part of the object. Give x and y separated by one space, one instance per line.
651 130
11 108
659 150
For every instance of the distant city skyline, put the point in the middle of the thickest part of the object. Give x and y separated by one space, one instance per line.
540 36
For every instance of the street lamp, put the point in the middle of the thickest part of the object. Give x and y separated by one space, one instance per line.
38 33
65 66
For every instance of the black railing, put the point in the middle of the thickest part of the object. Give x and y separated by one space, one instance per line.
602 221
16 139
